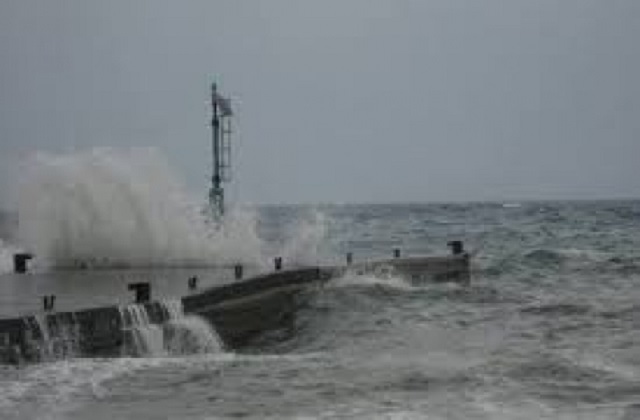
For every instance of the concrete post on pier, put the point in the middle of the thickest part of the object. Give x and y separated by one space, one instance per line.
142 291
48 302
238 271
20 262
457 247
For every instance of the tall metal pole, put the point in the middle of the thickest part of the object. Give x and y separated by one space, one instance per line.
216 194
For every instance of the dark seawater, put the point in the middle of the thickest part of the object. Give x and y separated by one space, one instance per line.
548 329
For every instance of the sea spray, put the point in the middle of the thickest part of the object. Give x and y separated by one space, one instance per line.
178 334
107 207
6 256
305 239
60 336
236 239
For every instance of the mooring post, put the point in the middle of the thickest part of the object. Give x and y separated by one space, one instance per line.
349 258
277 262
396 253
48 302
20 262
142 291
237 271
457 247
193 283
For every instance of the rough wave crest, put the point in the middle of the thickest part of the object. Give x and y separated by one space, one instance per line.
110 208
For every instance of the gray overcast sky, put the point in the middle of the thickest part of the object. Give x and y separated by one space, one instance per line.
339 100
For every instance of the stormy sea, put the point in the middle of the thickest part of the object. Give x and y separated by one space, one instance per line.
546 329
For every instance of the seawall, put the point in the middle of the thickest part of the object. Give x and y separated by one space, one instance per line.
240 311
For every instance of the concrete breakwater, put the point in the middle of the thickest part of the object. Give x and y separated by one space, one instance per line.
239 313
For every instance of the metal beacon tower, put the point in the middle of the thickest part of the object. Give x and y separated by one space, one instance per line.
221 150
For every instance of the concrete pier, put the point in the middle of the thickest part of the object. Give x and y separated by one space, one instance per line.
240 311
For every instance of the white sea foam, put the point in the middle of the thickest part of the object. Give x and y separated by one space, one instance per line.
181 334
49 390
384 280
52 390
108 207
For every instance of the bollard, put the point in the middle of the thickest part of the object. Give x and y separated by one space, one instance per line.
277 262
20 262
457 247
349 258
48 302
142 291
396 253
193 283
237 271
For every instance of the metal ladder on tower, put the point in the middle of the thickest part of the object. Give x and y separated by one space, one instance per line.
225 152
